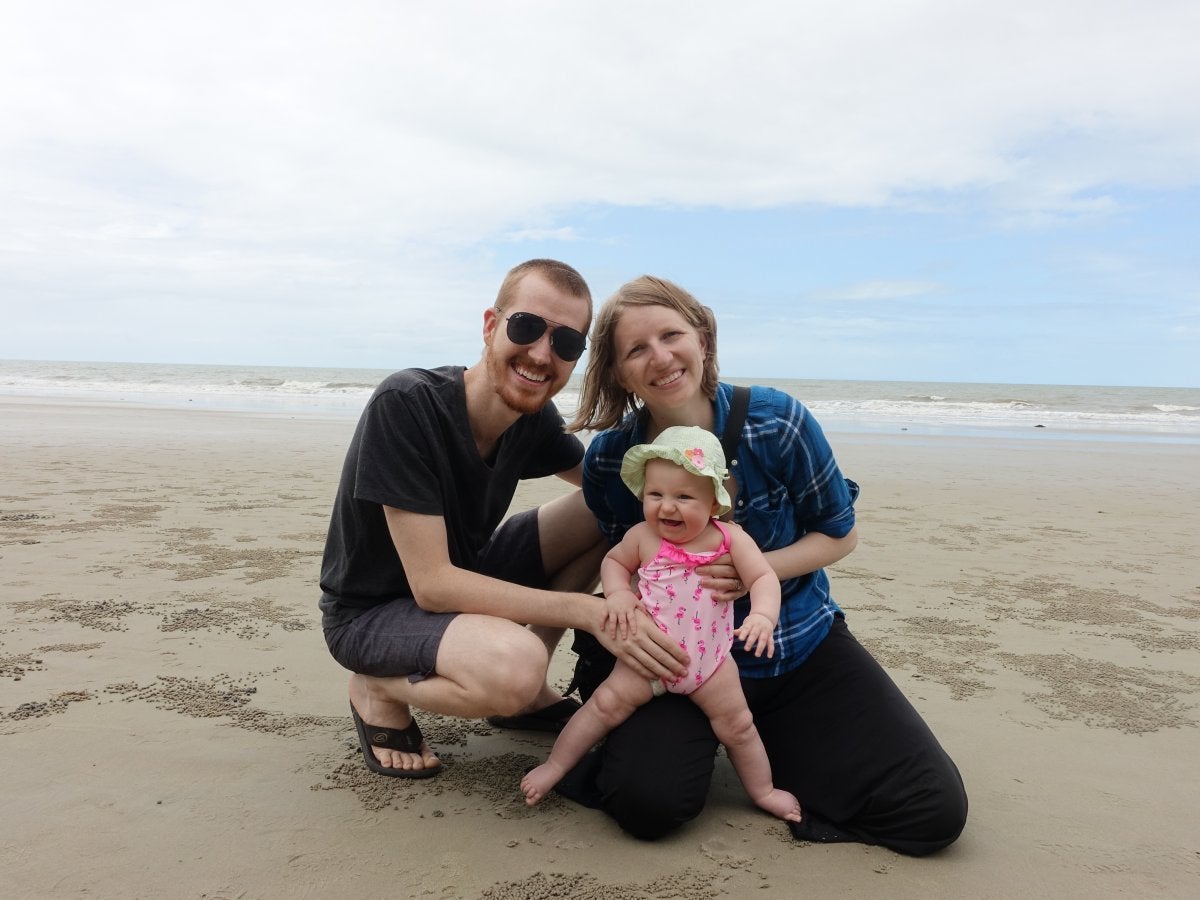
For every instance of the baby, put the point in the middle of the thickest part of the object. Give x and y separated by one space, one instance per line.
680 479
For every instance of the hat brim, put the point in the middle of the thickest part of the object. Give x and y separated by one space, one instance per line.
633 471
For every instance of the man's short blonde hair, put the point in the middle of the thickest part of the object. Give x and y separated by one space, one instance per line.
559 274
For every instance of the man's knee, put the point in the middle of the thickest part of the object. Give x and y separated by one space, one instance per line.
511 671
514 689
571 545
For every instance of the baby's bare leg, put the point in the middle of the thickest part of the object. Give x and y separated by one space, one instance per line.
614 701
722 700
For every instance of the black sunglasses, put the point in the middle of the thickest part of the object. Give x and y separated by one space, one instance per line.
525 328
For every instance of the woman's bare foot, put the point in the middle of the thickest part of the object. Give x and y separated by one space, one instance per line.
375 707
538 782
782 804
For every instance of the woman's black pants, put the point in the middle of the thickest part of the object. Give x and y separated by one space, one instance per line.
840 736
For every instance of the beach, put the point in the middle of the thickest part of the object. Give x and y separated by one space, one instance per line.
171 724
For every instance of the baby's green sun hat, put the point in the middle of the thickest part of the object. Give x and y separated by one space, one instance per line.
689 446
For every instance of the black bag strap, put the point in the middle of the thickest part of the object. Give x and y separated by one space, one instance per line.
738 404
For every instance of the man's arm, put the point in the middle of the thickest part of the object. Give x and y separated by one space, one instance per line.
572 476
440 586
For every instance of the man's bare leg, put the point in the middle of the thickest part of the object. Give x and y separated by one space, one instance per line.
485 666
572 547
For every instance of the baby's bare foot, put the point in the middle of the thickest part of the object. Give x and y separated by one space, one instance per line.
782 804
538 782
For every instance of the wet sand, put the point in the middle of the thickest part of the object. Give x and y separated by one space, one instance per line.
171 724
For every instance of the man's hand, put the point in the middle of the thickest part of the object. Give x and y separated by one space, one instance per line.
649 652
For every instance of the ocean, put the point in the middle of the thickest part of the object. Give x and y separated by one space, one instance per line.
1034 411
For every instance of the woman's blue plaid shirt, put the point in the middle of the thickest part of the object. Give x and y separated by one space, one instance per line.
788 485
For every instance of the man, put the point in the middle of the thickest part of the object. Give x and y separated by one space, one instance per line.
424 598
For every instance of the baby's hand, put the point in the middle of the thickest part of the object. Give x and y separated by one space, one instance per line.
757 633
620 614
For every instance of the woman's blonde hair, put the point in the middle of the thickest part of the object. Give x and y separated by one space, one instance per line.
602 401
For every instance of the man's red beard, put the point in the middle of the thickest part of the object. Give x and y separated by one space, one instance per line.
525 403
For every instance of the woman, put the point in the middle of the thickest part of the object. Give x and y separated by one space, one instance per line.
839 733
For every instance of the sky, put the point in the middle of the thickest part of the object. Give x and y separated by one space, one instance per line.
939 190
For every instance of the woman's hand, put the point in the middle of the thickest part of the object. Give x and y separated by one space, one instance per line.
720 577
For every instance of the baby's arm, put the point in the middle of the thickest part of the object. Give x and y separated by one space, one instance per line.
758 628
616 570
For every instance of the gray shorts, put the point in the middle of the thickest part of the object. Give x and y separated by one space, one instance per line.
400 638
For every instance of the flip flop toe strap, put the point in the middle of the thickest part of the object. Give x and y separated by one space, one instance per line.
406 740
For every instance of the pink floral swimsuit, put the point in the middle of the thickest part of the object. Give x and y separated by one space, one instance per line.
671 593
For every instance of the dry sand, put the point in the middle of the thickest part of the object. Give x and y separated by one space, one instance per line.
172 726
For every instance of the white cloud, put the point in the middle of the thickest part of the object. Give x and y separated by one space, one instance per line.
326 154
462 118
